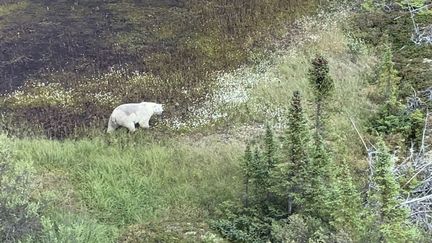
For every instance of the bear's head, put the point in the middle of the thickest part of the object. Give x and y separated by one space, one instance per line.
158 109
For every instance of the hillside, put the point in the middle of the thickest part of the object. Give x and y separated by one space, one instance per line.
284 121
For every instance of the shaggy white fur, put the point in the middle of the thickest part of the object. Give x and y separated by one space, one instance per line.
127 115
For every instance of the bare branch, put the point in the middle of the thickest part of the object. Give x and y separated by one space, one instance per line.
358 133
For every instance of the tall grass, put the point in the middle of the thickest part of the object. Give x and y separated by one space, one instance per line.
127 180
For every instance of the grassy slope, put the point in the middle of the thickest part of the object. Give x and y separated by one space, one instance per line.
133 180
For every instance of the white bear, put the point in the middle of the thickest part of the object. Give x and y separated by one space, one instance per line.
127 115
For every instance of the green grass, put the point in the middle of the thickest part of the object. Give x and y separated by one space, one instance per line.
6 9
69 227
127 180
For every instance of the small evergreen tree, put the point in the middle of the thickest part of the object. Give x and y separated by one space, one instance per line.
392 218
270 148
247 162
388 77
349 215
270 162
323 86
319 195
259 174
258 177
296 152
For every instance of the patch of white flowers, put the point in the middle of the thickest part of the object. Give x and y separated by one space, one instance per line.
233 91
211 237
105 99
40 93
96 90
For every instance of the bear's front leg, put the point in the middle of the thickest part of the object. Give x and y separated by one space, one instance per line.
144 123
131 127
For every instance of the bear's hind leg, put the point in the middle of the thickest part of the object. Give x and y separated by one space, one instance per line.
111 126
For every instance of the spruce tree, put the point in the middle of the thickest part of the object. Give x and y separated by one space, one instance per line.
323 86
257 172
270 162
319 195
391 216
247 167
270 148
388 77
259 177
296 151
348 216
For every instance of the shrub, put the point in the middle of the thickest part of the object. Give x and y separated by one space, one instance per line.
299 228
68 227
242 224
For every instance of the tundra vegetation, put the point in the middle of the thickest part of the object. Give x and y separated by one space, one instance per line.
284 121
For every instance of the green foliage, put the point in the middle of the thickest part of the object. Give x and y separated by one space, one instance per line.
304 183
127 185
169 231
297 138
251 222
247 167
242 224
296 155
349 215
415 4
20 218
408 57
10 8
389 5
258 172
320 79
67 227
300 228
368 5
388 80
391 217
319 196
323 87
258 169
270 148
393 117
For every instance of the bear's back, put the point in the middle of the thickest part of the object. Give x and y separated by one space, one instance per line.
129 108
